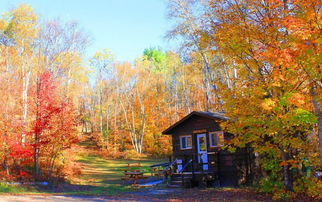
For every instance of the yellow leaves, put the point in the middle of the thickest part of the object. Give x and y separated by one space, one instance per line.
68 59
24 15
2 25
268 104
204 40
22 25
105 54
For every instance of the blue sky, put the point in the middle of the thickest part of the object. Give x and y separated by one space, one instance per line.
126 27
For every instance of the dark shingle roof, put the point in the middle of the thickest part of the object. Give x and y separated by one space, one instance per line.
206 114
213 114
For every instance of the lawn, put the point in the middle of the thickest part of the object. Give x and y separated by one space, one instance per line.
105 174
101 180
99 176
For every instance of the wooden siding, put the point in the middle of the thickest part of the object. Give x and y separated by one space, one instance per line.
228 168
195 123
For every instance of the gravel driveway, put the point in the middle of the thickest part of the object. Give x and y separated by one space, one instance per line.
150 195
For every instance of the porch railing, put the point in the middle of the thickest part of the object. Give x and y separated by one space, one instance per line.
186 165
193 166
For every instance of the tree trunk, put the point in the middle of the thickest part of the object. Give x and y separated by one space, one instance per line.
36 136
143 122
25 80
107 126
129 125
5 145
5 164
36 156
187 99
101 111
317 111
115 129
288 183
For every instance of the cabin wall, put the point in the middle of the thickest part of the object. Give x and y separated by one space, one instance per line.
196 123
189 127
193 126
230 169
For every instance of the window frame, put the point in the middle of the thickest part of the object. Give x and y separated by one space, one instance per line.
216 135
185 137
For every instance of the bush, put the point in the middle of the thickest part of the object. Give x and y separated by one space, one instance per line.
6 188
270 185
311 187
304 186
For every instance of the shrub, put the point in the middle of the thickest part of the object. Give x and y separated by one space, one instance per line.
311 187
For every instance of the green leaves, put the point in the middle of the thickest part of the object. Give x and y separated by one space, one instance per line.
302 116
158 59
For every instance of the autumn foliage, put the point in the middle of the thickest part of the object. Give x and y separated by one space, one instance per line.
266 62
54 129
38 117
257 61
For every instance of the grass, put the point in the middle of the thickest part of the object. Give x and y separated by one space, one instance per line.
6 188
105 174
100 176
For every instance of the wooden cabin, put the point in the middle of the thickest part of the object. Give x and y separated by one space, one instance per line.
198 142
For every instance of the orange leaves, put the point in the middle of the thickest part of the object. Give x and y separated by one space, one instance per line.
274 44
283 163
297 99
297 27
36 112
293 163
273 4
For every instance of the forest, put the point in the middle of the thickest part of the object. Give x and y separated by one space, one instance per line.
259 62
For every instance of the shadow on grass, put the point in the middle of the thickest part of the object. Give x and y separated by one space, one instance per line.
5 188
75 189
99 176
64 188
104 172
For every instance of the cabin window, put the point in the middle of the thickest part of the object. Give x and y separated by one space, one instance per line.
185 142
216 139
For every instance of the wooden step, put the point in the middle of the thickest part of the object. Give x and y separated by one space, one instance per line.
185 180
176 182
179 174
174 186
185 177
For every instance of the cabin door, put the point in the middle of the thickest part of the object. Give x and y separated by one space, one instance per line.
202 151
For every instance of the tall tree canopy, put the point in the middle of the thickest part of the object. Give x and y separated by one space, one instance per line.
266 60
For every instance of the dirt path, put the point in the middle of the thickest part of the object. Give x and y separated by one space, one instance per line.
100 181
38 198
152 195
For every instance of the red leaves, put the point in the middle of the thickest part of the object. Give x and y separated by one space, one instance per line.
23 173
48 105
56 118
52 129
20 151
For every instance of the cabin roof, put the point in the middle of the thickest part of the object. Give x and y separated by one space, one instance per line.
206 114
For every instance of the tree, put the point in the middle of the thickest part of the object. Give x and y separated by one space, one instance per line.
190 27
50 135
102 62
268 43
27 50
267 72
23 29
